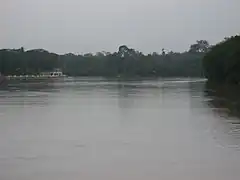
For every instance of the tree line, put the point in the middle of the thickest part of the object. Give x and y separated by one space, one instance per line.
126 62
222 62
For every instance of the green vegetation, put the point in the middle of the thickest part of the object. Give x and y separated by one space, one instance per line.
222 62
126 62
18 62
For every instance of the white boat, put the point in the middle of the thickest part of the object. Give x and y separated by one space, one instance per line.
53 74
56 74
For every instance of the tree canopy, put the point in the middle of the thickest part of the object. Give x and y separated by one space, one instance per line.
200 46
222 62
126 62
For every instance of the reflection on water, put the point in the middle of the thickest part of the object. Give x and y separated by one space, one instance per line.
224 101
93 129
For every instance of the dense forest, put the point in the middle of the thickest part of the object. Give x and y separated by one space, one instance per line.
222 62
126 62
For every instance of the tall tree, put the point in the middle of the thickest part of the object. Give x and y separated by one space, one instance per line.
200 46
222 62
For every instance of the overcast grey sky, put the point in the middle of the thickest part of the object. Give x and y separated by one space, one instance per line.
81 26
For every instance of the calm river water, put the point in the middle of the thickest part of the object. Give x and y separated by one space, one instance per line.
96 129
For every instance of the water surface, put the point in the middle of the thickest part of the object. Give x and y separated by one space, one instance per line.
96 129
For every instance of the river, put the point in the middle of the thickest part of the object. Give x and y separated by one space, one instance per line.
97 129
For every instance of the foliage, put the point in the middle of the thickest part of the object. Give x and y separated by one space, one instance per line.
222 62
126 62
18 62
200 46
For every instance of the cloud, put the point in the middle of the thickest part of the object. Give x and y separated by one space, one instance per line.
95 25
